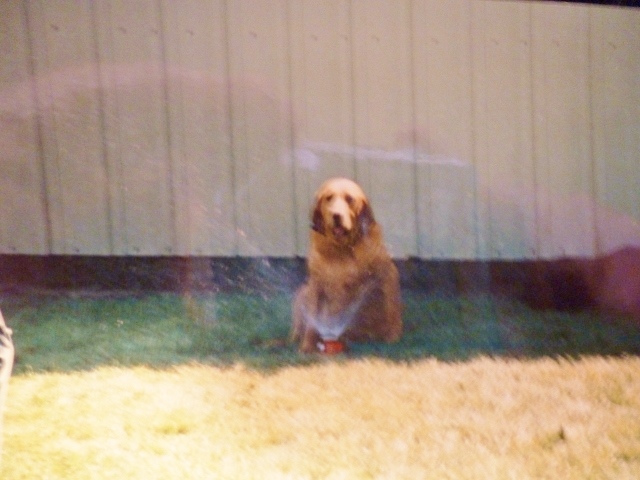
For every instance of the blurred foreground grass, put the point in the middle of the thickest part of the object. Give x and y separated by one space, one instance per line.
364 418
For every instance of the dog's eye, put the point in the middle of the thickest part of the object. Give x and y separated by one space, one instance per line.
329 197
348 199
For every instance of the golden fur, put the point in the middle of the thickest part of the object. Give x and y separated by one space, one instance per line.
352 282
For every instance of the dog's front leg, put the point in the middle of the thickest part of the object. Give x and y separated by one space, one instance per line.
310 340
304 312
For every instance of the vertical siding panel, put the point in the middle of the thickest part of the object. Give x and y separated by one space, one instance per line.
384 117
200 135
134 84
261 126
615 73
506 178
563 130
444 128
23 225
322 100
69 108
480 145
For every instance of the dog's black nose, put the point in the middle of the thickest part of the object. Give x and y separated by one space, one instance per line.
337 220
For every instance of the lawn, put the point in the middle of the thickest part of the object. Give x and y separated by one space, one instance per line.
168 386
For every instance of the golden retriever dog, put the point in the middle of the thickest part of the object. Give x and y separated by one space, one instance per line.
352 292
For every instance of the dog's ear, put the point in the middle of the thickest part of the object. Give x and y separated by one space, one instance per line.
317 222
365 219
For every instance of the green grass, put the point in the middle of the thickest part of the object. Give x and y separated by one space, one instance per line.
159 330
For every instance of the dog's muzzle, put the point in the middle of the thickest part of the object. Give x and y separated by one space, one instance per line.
339 231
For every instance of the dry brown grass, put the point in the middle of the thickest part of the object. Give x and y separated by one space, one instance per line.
339 419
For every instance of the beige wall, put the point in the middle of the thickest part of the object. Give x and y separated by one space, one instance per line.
480 129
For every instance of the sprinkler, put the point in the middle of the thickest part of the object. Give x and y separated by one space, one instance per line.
331 347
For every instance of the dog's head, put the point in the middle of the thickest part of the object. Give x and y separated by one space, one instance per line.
341 211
